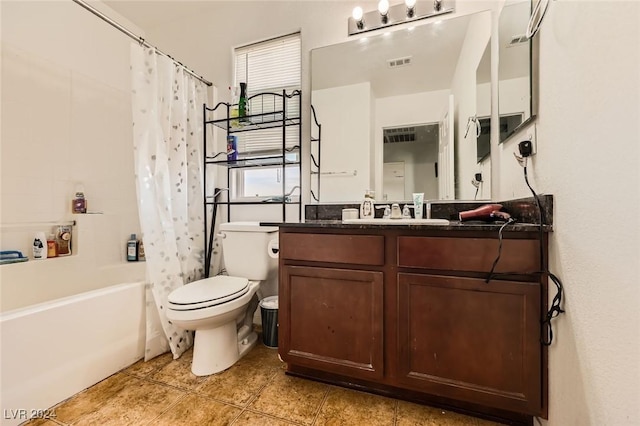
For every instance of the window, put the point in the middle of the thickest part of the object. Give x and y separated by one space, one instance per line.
269 66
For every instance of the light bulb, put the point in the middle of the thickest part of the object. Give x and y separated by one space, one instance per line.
410 7
357 13
383 7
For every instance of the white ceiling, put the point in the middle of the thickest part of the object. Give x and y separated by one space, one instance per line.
148 14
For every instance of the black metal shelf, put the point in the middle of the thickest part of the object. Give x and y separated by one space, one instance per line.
253 122
253 203
257 161
271 111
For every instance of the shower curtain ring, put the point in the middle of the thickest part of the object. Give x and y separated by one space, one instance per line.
141 40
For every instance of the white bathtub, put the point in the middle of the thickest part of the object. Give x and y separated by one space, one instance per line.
52 350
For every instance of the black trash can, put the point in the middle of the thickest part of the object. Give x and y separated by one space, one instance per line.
269 314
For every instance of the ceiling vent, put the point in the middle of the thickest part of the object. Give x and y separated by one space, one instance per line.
399 134
399 62
517 39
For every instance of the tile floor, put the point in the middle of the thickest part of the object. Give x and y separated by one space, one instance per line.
255 391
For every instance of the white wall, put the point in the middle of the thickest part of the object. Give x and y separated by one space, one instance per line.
349 140
588 156
66 121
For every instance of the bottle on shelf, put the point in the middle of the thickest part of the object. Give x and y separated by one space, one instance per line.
40 246
242 103
132 248
52 246
79 204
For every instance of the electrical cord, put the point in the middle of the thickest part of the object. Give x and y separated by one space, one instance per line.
546 337
495 262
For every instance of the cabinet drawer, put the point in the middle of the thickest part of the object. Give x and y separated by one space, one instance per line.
334 248
468 254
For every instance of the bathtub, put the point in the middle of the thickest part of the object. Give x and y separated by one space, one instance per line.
55 349
67 323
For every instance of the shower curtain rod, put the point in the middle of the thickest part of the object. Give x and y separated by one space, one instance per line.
139 39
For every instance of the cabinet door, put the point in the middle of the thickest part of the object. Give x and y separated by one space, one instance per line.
464 339
331 320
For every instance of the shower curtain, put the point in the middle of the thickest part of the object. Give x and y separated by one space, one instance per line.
167 139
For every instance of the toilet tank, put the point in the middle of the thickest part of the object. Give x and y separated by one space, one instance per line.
246 247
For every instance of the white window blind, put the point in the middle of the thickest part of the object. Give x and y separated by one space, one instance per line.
269 66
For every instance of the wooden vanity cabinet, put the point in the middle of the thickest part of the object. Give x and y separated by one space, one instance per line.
332 317
409 313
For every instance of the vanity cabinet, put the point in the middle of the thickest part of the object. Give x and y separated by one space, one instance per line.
332 318
408 313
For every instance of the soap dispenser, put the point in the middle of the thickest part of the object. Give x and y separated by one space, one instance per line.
367 206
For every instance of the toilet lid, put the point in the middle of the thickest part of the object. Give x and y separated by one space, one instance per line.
208 292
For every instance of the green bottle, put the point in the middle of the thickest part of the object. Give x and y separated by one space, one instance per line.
242 103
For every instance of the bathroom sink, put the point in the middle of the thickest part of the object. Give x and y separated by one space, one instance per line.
395 221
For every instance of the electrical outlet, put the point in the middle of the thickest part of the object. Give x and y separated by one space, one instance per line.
530 134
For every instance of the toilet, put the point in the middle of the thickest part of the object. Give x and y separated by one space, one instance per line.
220 309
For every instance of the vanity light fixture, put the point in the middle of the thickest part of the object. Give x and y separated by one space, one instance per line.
388 15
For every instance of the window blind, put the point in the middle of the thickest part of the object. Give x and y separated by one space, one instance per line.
269 66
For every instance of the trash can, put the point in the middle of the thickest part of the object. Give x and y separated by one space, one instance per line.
269 314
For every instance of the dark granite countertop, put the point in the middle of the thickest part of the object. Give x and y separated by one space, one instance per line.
452 226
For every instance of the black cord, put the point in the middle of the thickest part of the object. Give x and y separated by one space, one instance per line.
546 337
495 262
476 196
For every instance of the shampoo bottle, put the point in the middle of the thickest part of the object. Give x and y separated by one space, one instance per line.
132 248
40 246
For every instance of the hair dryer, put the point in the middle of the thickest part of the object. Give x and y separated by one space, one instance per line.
487 212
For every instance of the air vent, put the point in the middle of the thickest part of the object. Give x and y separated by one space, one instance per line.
399 62
517 39
400 134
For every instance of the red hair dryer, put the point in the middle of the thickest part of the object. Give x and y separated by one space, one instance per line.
487 212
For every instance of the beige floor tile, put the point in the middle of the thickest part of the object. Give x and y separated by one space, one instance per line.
239 384
267 357
292 398
178 373
248 418
410 414
40 422
93 398
139 403
350 407
198 410
143 369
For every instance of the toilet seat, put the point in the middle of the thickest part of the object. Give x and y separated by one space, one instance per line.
207 293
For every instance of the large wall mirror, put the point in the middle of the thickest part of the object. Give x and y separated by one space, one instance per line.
516 101
391 107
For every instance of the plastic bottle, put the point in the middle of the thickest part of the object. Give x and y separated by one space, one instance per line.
40 246
132 248
79 204
141 255
367 206
52 246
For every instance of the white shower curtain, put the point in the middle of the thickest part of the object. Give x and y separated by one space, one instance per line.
167 137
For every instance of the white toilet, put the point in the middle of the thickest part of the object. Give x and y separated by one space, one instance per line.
220 309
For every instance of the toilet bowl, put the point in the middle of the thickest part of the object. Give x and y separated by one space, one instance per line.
220 309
